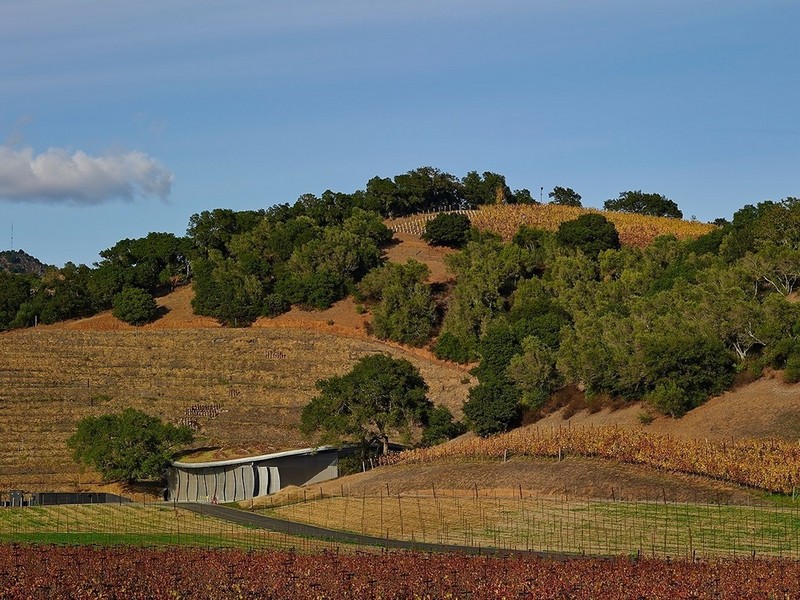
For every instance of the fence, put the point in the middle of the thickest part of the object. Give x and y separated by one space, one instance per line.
154 524
519 521
473 518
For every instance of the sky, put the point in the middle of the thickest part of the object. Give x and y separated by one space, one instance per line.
122 118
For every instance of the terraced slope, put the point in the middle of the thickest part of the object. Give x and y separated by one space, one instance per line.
244 389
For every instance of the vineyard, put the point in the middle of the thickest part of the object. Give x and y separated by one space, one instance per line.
95 572
242 390
523 522
151 525
770 465
505 219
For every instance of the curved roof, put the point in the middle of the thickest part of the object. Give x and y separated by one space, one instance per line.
249 459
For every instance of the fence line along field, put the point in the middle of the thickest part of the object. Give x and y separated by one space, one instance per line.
505 220
482 518
151 525
243 389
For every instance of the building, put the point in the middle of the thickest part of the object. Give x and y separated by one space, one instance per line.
245 478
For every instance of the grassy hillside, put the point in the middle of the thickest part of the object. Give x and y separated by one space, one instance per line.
243 388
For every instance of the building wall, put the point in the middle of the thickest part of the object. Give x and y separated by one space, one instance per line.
244 480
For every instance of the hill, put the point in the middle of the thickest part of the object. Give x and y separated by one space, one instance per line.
19 261
505 219
242 388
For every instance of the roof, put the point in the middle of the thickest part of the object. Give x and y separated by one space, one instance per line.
250 459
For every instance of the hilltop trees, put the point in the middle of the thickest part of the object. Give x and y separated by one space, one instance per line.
642 203
564 196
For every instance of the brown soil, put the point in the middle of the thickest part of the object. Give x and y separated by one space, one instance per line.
411 246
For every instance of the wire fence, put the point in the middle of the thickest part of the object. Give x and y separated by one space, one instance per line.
522 522
152 525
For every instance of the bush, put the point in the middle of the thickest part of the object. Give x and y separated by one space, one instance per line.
591 233
669 399
492 408
441 427
791 372
447 229
134 306
449 347
129 446
275 304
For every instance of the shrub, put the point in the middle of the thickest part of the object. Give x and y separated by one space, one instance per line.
590 233
134 306
447 229
449 347
791 372
441 427
492 408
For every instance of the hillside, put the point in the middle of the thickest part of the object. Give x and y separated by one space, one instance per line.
259 378
573 478
255 381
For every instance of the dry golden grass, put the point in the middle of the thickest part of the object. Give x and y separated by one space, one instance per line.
505 219
260 378
524 522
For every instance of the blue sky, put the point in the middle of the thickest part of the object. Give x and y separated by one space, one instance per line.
117 119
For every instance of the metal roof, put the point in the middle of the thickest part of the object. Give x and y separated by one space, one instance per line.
250 459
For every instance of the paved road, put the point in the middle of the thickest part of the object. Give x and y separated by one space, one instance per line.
242 517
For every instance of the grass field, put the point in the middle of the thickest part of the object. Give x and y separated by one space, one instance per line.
657 529
138 525
259 378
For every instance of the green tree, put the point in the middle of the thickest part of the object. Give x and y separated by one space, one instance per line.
440 427
492 407
129 446
487 273
490 188
534 372
379 396
642 203
135 306
564 196
15 290
591 233
405 312
447 229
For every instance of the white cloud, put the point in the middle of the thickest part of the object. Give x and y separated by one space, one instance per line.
60 176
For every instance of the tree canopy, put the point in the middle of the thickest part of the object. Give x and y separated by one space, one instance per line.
639 202
447 229
564 196
381 395
130 446
134 306
591 233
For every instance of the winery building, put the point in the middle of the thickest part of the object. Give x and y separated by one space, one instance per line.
245 478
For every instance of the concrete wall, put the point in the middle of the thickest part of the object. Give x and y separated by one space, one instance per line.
233 481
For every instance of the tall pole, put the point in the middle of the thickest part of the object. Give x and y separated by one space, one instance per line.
541 194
